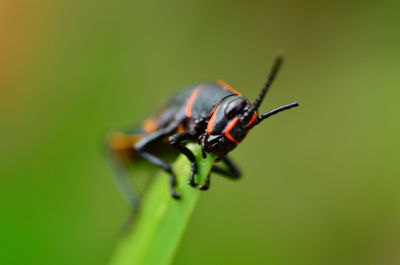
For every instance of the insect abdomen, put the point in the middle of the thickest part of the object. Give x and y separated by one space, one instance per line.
194 102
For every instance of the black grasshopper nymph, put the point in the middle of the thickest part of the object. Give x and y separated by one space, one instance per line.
212 114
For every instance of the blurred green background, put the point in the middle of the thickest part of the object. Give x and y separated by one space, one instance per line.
321 182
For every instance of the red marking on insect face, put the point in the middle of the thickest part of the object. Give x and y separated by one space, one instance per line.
210 124
229 128
251 122
253 119
227 87
193 96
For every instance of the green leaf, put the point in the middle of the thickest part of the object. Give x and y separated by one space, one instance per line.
161 220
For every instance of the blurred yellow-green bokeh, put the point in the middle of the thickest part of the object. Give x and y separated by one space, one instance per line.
321 183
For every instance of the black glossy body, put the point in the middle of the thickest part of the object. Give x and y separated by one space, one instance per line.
211 114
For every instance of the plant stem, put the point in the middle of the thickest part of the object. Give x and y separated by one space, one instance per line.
161 221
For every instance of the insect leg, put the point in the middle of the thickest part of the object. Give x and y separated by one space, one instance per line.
206 184
166 167
146 141
123 183
119 170
232 172
176 141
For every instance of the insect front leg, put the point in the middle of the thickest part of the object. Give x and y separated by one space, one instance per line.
152 138
232 172
176 141
206 184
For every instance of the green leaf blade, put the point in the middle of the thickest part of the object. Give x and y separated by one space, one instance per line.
161 221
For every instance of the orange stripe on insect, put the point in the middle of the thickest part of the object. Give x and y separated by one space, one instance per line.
120 141
181 128
210 124
227 87
229 128
149 126
193 96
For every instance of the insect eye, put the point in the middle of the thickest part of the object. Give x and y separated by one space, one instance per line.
234 108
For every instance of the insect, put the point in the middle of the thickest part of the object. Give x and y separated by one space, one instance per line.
213 114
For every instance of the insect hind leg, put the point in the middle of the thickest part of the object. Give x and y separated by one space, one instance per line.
119 148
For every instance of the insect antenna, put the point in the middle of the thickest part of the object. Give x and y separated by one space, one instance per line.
274 70
271 76
275 111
